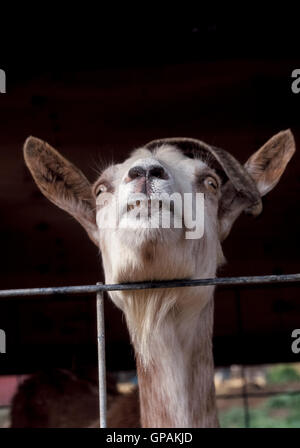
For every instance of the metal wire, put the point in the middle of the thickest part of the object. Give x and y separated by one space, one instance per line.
99 288
101 358
90 289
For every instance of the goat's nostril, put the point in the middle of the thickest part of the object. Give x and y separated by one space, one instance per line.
136 171
157 171
150 172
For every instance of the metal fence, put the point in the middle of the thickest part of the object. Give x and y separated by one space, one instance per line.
100 288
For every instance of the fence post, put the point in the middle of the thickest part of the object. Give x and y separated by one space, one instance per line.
101 357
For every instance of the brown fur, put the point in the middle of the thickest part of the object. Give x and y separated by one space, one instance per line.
60 399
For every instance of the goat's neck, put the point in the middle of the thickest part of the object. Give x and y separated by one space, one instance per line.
177 387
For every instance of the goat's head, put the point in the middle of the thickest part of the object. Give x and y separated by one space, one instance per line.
116 211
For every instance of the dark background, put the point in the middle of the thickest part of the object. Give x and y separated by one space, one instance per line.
97 88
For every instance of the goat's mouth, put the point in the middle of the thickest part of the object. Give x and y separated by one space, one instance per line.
150 205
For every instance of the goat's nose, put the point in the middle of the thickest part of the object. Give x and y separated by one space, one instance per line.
149 172
136 171
157 171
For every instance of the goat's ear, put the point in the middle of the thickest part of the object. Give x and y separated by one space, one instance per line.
265 167
62 183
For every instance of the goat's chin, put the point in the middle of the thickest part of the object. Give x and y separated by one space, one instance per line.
138 237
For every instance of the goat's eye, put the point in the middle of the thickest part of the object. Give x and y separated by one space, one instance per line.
211 184
100 189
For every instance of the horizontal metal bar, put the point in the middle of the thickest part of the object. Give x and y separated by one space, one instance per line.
89 289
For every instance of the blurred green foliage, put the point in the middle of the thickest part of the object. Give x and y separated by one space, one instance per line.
278 411
282 373
281 411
